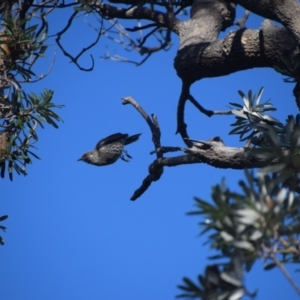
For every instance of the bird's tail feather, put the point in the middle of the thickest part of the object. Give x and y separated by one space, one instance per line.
132 139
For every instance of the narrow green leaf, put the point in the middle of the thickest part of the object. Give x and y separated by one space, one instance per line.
259 95
231 278
237 294
2 166
10 170
244 245
3 218
33 154
270 266
239 113
236 104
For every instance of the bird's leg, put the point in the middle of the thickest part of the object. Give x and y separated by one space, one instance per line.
123 158
126 154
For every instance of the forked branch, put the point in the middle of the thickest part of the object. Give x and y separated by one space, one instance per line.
212 152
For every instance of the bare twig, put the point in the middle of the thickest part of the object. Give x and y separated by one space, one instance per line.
138 12
154 173
137 28
163 45
166 150
184 97
207 112
285 273
162 35
75 59
272 255
212 152
152 123
42 76
119 58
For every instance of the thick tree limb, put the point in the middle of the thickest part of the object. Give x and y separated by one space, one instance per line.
286 12
213 153
167 20
239 50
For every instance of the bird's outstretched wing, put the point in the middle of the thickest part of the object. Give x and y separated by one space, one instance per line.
111 139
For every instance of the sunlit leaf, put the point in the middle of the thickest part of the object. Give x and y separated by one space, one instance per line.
244 245
231 278
237 294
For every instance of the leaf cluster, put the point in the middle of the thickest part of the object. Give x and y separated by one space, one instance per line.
20 46
268 139
251 117
22 114
262 222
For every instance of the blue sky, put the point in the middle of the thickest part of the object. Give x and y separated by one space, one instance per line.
72 232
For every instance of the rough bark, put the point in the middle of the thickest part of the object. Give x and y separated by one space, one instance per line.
286 12
239 50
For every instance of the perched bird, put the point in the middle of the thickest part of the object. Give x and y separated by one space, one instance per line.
109 150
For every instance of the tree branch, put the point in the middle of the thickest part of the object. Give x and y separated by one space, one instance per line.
207 112
212 152
270 253
75 59
181 125
285 12
167 20
239 50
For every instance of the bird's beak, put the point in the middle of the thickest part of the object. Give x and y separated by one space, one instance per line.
79 159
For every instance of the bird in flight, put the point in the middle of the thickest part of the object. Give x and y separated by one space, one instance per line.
110 149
